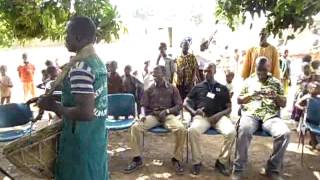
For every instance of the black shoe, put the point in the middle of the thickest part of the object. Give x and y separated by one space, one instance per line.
133 166
222 168
195 170
178 166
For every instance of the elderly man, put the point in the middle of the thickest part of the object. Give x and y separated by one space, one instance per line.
261 97
265 49
209 103
161 103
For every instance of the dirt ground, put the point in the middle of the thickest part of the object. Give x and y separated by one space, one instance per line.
159 148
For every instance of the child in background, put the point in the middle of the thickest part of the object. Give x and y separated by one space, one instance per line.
229 79
302 83
52 72
5 86
312 114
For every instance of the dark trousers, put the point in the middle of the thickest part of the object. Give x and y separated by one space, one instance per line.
184 90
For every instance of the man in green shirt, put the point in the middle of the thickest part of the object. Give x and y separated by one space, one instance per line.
261 97
82 144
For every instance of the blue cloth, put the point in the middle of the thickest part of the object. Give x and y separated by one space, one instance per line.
313 111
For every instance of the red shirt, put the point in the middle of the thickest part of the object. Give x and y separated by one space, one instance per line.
26 73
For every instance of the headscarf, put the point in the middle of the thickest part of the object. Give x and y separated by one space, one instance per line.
186 40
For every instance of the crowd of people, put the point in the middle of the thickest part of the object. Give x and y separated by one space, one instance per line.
187 85
183 87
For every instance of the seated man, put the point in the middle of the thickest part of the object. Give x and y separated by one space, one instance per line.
161 103
261 97
209 103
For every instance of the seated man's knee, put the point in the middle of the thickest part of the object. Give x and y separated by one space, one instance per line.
193 131
245 127
231 133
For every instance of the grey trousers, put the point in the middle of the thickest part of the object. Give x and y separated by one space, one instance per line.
280 133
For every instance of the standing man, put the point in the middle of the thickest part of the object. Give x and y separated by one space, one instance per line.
147 76
187 70
26 73
262 97
114 79
202 58
169 63
265 49
82 146
285 71
209 103
161 104
132 85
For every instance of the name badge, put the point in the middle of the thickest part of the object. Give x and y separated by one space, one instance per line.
218 89
211 95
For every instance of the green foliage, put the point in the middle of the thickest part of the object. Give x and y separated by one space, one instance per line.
24 20
281 14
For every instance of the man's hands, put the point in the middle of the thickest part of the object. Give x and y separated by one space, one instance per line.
48 103
199 112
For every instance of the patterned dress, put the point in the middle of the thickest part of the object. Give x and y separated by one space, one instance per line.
187 67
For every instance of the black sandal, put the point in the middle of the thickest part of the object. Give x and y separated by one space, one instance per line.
178 167
133 166
195 170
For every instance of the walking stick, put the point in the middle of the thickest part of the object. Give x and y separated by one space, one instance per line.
302 132
237 135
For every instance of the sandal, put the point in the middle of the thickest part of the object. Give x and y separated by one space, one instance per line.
178 167
133 166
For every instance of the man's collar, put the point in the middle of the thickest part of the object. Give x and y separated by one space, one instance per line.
165 84
255 76
213 83
84 53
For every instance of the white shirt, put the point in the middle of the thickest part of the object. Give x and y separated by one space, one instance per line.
202 59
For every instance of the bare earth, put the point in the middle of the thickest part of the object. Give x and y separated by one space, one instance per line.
159 148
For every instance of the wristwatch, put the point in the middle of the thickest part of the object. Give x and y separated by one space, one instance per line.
168 111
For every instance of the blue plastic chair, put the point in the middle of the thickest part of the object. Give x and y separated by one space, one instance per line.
313 116
120 105
12 115
213 131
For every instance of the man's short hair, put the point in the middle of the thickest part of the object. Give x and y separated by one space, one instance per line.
83 27
212 65
307 58
229 73
128 67
261 61
51 69
113 62
162 45
162 68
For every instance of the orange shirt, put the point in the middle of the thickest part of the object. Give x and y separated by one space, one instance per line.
26 73
249 63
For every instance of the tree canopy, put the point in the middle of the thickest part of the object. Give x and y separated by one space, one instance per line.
281 14
22 20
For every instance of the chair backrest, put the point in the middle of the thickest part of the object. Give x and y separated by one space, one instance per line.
14 115
313 111
121 105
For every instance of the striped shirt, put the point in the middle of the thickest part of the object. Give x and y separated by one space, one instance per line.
81 79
